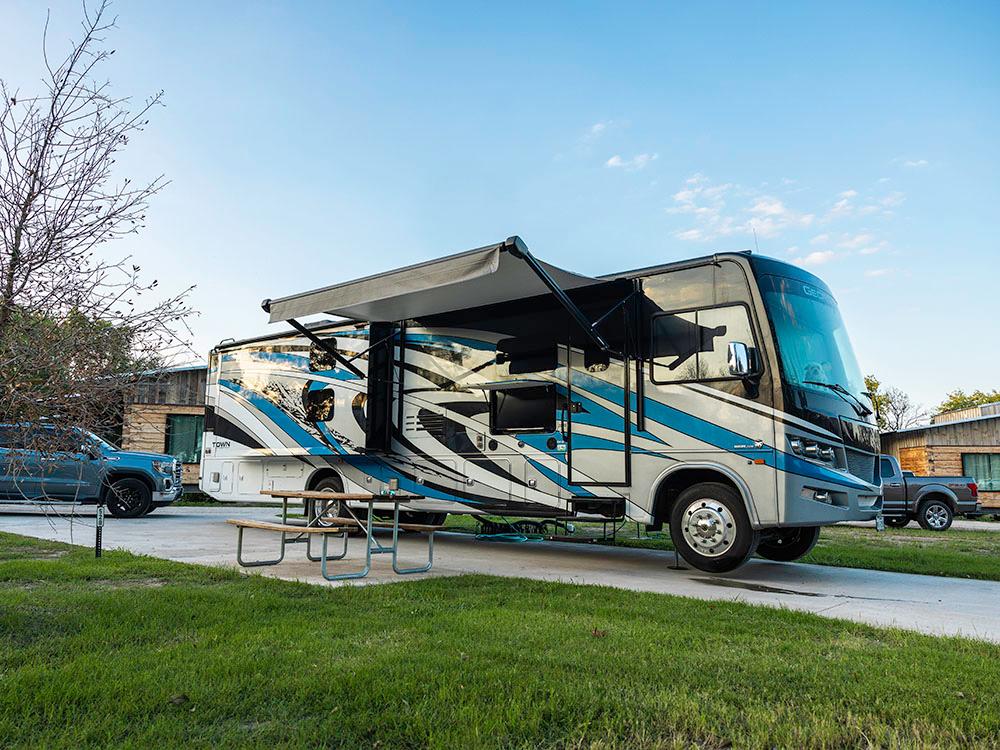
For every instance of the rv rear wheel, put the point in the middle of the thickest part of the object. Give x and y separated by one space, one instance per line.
326 510
710 528
785 545
416 516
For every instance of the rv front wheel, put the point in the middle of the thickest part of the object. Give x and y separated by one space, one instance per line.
710 528
785 545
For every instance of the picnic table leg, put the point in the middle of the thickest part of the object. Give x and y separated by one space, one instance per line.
256 563
395 548
341 576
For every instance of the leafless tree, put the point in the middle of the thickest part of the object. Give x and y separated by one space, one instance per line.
77 326
900 410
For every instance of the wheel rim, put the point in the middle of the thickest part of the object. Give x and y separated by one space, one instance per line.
329 512
936 516
709 528
126 498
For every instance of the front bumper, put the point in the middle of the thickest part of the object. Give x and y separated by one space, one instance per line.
168 495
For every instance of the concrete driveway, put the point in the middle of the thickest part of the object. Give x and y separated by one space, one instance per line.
946 606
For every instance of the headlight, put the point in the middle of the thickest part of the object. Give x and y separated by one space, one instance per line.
811 449
164 467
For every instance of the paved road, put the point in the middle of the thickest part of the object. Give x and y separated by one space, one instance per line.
923 603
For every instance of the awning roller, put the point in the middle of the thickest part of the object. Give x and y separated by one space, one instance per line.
488 275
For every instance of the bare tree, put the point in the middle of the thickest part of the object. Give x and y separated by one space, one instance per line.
77 327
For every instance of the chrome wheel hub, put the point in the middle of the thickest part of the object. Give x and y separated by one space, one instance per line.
936 515
709 528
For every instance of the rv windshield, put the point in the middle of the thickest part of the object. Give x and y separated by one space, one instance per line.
812 339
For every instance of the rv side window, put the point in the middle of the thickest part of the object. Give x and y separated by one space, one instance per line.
319 405
694 344
320 360
531 409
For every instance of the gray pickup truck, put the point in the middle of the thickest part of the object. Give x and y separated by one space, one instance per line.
932 501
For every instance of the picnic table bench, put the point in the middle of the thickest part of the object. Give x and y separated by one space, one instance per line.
339 526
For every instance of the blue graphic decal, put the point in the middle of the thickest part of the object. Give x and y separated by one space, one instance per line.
293 429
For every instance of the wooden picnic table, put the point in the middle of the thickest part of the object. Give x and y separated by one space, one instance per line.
320 523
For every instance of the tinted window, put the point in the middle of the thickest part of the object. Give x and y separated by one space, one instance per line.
523 410
887 470
695 345
184 437
319 404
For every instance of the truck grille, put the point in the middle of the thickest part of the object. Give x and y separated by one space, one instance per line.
862 465
178 472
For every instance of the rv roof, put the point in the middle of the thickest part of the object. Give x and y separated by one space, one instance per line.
484 276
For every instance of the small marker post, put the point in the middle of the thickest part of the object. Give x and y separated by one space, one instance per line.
99 528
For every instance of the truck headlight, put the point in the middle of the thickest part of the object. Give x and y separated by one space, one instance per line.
164 467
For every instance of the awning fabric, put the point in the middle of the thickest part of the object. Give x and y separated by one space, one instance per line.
484 276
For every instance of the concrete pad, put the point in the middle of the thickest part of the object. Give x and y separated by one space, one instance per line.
929 604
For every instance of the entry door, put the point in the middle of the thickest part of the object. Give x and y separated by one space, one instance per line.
598 424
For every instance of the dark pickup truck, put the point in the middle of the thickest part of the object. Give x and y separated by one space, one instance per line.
932 501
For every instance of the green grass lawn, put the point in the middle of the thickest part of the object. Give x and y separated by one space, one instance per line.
954 553
133 651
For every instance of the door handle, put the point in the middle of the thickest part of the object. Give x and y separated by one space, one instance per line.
895 484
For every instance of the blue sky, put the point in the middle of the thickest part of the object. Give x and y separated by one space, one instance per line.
314 143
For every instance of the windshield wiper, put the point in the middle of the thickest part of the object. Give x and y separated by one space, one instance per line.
856 403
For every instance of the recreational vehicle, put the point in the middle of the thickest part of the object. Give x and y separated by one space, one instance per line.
719 397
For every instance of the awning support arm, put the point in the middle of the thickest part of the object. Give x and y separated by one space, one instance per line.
324 345
518 249
380 341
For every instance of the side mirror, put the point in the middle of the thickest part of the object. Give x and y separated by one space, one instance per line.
739 359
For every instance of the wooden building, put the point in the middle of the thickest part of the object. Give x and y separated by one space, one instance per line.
166 414
958 443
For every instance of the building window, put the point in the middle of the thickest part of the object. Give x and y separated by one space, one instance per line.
984 468
184 437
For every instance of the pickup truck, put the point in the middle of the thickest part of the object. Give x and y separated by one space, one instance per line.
91 471
932 501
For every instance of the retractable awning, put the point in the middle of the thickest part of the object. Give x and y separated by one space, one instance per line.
487 275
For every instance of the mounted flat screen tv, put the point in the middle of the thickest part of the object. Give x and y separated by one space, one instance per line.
531 409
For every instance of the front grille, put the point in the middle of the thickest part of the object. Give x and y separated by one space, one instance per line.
178 472
862 465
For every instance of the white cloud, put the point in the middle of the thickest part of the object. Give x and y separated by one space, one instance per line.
595 131
854 242
820 239
876 272
915 163
637 162
817 258
892 200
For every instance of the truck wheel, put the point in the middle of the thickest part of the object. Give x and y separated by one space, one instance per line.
897 522
785 545
128 498
935 515
710 528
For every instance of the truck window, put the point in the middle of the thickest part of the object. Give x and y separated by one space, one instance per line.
694 344
887 470
530 409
